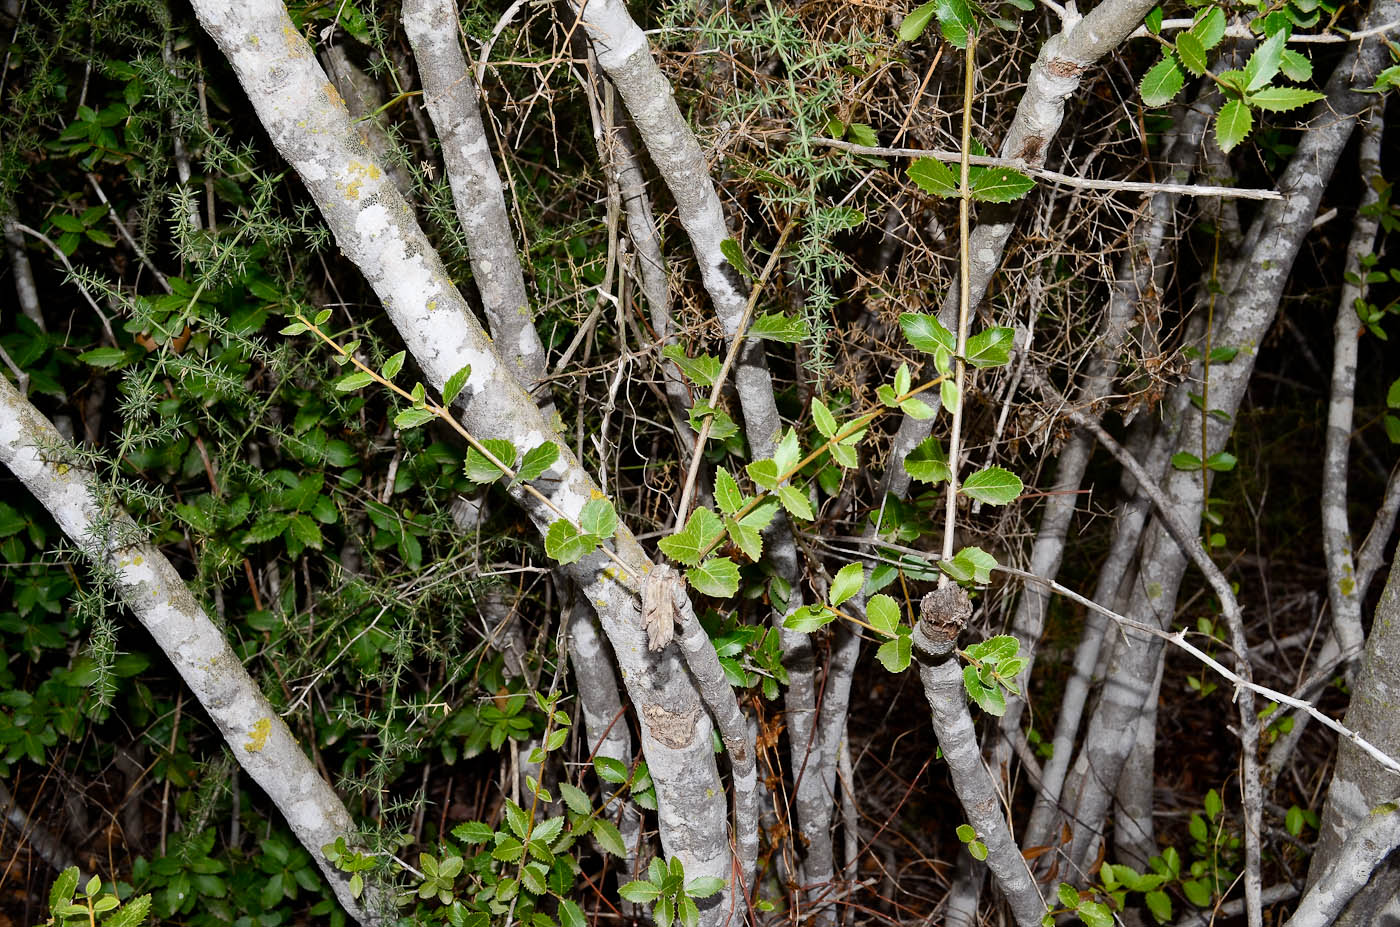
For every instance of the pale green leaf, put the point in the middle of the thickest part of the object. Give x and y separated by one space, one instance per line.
993 486
453 387
883 614
688 545
1264 63
823 419
718 577
917 21
809 618
700 370
393 365
846 583
927 462
412 418
991 348
735 256
1192 53
796 502
479 469
926 333
598 517
727 494
998 184
1283 99
564 543
894 654
537 461
1209 27
1233 124
777 327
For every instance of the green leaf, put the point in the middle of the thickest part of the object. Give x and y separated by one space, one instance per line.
1192 53
480 470
789 452
966 833
978 849
1068 895
735 256
609 769
883 614
1265 62
1283 99
727 494
846 583
570 914
61 892
993 486
970 565
809 618
1296 66
862 134
598 517
926 333
721 425
777 327
354 381
609 838
991 348
1392 395
934 177
1197 892
796 502
1209 27
1232 125
700 370
564 543
640 892
413 418
575 798
1221 462
103 357
916 408
948 394
453 387
955 21
1160 904
1153 22
764 473
132 914
894 654
718 577
927 462
998 184
1391 423
746 538
1095 914
823 419
689 544
537 461
988 698
1162 83
393 365
917 21
995 649
1184 461
704 886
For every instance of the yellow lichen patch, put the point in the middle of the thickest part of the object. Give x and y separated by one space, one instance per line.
333 95
258 739
432 304
296 45
62 469
358 172
138 560
611 573
595 493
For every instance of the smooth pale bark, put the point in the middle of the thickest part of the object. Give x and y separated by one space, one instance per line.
377 231
451 98
149 585
1358 783
1249 310
625 56
1373 837
364 100
1342 592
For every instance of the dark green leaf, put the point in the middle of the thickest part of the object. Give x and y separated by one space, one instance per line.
998 184
933 176
479 469
778 327
537 461
917 21
993 486
1162 83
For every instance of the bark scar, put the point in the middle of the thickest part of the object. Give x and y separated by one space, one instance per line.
675 729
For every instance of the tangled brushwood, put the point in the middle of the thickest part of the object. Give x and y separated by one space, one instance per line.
718 464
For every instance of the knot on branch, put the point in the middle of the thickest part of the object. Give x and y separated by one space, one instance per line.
943 613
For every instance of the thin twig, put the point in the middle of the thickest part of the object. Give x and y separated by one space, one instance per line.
1088 183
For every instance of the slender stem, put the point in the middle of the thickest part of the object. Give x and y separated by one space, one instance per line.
950 511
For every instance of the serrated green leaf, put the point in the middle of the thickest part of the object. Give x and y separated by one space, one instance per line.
575 798
1264 63
134 913
727 494
1233 124
1296 66
718 577
640 892
564 543
701 369
479 469
704 886
1209 27
917 21
764 473
954 21
393 365
735 256
748 539
598 517
971 564
1162 83
354 381
927 463
453 387
823 419
926 333
570 914
1068 895
809 618
1283 99
862 134
1153 20
846 583
992 486
1095 914
796 502
998 184
894 654
916 408
1192 53
777 327
788 453
413 418
995 649
688 545
991 348
537 461
933 176
883 614
988 698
